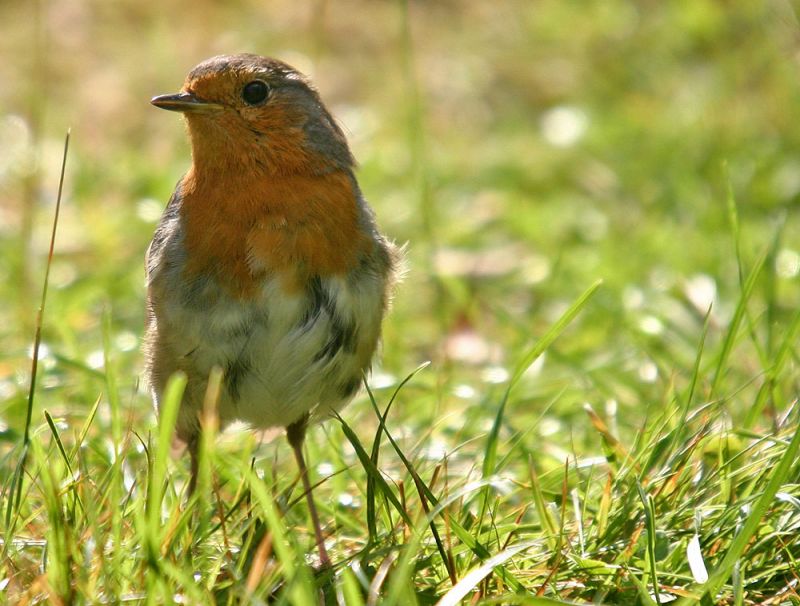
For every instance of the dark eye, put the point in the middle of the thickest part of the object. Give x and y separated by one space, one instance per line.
255 92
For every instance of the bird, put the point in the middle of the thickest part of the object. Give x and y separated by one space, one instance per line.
267 262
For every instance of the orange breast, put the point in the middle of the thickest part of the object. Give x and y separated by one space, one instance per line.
293 227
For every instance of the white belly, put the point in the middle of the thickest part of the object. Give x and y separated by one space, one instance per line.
282 355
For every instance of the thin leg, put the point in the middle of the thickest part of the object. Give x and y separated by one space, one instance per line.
296 432
192 446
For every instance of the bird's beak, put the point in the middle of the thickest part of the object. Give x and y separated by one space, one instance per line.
185 102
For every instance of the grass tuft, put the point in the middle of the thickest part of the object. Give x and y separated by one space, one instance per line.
521 441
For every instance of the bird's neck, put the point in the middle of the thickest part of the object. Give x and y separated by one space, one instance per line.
244 227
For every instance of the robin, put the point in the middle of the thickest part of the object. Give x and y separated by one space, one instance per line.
267 262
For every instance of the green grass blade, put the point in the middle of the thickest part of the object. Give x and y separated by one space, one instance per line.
59 444
525 362
85 429
490 455
376 444
398 587
782 356
548 524
373 471
168 415
289 554
422 489
59 565
110 377
471 542
781 474
736 321
650 521
57 438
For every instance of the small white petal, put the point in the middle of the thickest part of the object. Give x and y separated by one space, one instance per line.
696 563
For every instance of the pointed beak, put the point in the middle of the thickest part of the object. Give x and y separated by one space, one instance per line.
185 102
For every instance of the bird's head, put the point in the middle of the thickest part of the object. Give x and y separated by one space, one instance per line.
252 113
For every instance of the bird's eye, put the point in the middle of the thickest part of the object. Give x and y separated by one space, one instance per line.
255 92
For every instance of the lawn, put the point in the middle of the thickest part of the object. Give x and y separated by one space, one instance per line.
588 385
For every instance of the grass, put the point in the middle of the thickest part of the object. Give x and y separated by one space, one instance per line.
588 389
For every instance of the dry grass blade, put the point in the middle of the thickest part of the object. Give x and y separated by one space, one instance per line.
16 485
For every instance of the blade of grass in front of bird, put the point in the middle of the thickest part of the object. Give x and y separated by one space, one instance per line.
376 444
422 489
15 492
298 577
210 425
168 416
373 471
470 541
372 523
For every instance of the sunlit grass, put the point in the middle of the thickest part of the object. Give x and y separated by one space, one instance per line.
493 516
520 443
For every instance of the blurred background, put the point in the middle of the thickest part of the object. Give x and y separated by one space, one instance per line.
522 148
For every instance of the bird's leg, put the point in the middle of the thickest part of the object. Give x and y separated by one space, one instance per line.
192 446
296 433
